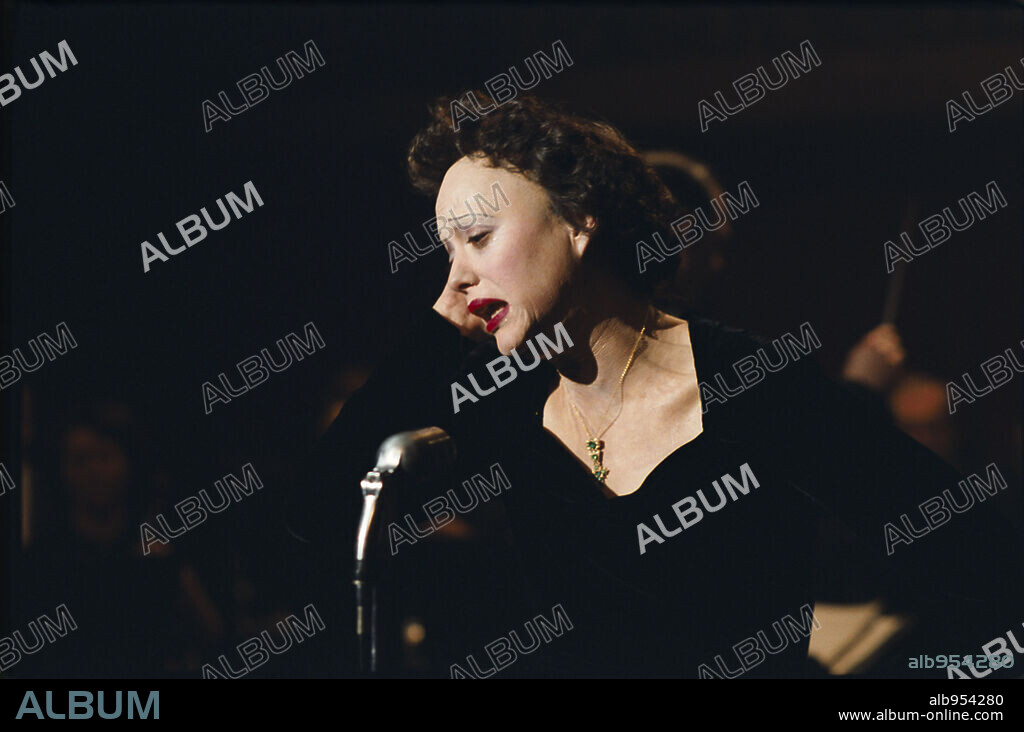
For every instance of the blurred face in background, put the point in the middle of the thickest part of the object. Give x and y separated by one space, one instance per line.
94 468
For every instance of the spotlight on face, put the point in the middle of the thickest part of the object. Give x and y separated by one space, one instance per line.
510 267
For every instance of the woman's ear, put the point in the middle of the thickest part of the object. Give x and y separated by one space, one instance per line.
581 237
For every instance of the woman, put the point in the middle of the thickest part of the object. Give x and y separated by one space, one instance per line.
674 526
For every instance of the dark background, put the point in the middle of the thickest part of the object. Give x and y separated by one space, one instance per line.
113 151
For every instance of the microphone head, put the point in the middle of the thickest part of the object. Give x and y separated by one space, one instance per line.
425 452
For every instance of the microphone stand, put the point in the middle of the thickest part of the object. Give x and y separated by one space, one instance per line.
427 451
367 573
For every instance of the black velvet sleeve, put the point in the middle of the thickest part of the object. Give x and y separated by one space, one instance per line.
409 390
843 454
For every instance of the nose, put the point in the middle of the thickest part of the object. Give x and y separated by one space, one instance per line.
461 276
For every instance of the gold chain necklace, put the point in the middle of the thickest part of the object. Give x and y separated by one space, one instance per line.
595 445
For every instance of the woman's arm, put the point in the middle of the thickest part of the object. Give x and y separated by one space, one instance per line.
844 455
406 392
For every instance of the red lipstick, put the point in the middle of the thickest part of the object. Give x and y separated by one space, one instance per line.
489 309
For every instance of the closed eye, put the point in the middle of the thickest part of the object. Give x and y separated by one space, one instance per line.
474 240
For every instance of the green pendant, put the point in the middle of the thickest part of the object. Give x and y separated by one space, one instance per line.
596 447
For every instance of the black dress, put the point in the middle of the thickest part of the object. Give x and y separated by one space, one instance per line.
710 569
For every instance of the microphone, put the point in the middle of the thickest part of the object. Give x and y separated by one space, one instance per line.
427 452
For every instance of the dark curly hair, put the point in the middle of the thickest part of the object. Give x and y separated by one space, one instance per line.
585 166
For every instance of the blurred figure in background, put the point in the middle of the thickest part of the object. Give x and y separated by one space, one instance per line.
137 615
915 401
701 271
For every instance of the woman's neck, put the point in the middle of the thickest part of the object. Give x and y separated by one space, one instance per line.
606 329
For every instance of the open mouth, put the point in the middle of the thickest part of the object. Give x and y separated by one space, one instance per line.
490 310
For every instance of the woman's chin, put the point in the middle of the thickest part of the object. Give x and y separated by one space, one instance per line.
507 339
504 347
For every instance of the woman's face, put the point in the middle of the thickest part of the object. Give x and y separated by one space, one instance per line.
510 267
96 469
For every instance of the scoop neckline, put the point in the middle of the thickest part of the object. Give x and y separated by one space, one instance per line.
697 346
